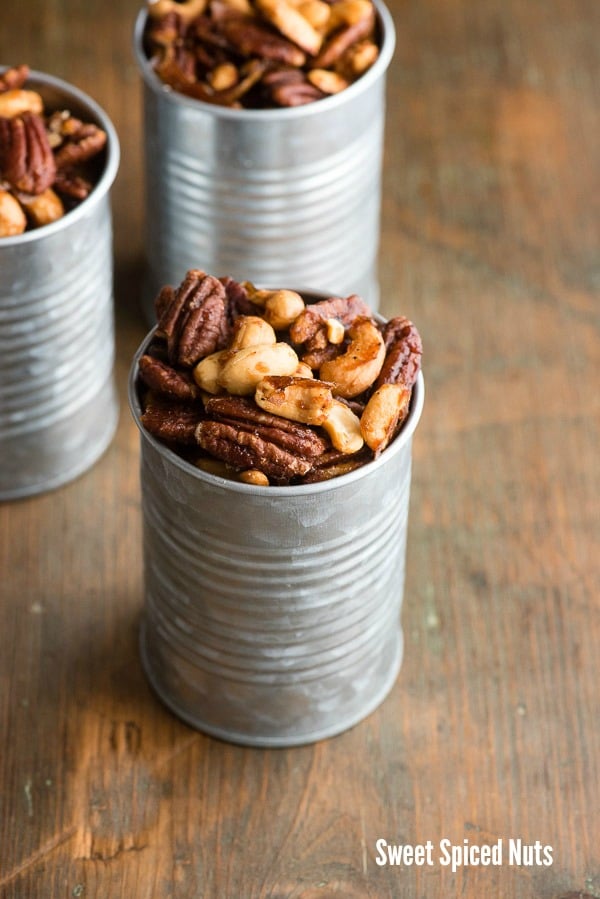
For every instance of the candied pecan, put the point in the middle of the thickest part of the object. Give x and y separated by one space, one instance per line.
83 141
193 322
26 159
296 93
403 353
246 449
14 78
164 299
238 300
71 184
174 424
318 349
344 309
165 380
291 435
251 37
342 40
334 464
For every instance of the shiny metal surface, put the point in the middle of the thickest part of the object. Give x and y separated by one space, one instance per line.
272 614
58 406
276 196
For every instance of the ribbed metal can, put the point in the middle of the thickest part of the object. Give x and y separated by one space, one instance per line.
272 196
272 614
58 404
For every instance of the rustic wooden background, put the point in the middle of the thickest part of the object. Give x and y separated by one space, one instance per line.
490 242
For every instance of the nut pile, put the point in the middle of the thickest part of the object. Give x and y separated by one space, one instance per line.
260 53
259 386
49 160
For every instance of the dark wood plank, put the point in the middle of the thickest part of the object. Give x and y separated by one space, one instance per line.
490 234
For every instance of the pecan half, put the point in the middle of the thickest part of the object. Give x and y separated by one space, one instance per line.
253 38
172 423
245 413
165 380
82 142
403 353
247 449
193 322
26 159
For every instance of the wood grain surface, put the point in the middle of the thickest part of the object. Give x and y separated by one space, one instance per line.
490 243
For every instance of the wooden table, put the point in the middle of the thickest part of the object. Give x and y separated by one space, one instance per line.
490 242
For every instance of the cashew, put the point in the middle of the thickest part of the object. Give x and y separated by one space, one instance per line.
223 76
241 370
213 466
16 102
356 369
12 217
348 12
251 330
188 10
316 11
44 208
206 373
361 56
303 371
335 331
343 428
327 81
299 399
386 409
292 24
255 477
281 307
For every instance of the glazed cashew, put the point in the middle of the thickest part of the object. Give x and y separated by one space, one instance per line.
327 81
335 331
281 307
292 24
299 399
356 369
251 330
206 373
254 476
12 217
18 101
386 410
44 208
343 428
240 371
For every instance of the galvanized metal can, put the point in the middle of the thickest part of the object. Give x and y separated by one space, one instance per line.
272 614
273 196
58 405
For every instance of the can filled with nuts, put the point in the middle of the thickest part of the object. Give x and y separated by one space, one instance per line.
58 404
272 613
270 194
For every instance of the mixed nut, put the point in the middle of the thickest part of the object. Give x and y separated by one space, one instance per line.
49 159
260 53
263 387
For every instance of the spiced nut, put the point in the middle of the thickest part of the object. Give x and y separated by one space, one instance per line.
281 307
306 400
251 330
206 372
241 370
44 208
385 411
16 102
353 371
292 24
343 428
12 217
188 11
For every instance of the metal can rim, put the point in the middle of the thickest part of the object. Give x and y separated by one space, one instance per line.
408 429
42 79
363 83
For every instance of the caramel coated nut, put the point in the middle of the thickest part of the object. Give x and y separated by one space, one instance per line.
12 217
291 23
16 102
348 12
281 307
384 413
327 81
254 477
207 371
306 400
251 330
317 12
343 428
241 370
357 368
44 208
